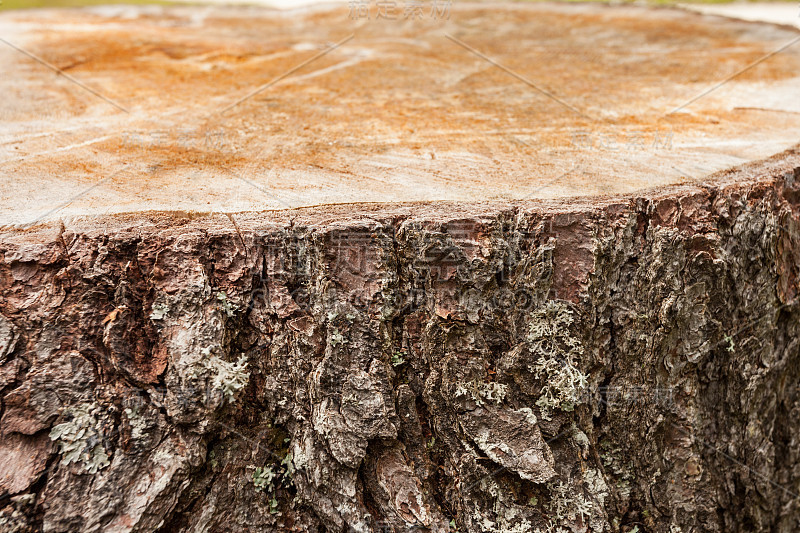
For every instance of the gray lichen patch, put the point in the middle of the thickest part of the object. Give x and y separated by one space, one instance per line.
480 392
137 422
226 377
80 439
159 311
556 353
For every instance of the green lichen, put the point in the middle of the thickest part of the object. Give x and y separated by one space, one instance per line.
337 338
80 438
287 464
731 345
398 359
263 478
270 478
225 304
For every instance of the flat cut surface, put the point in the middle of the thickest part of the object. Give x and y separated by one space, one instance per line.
484 102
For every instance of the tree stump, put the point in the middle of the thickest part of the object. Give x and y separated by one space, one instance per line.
472 267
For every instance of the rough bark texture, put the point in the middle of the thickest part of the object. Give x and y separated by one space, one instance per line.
605 366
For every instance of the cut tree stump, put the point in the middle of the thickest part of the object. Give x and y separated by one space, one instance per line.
479 268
